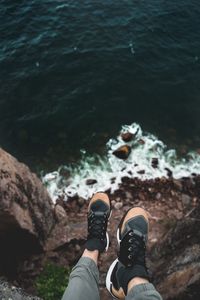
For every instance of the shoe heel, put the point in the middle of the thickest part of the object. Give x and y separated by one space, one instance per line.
108 278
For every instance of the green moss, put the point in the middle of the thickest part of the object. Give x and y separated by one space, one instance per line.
52 282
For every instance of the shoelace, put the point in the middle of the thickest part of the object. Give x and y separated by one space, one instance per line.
136 249
97 225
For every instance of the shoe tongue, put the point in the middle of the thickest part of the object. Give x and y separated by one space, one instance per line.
99 205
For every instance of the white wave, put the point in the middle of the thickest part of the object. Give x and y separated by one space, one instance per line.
109 170
61 6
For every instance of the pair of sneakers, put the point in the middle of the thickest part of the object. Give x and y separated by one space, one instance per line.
132 235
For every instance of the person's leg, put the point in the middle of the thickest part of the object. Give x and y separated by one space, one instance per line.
84 279
128 277
139 289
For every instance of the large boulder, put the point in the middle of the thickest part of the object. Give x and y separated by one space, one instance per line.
122 152
26 212
176 259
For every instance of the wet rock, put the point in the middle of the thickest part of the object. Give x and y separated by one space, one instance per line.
91 181
123 152
127 136
141 172
154 162
141 142
112 180
169 172
64 172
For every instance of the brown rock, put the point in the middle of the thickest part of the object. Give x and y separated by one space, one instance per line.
81 201
123 152
60 212
127 136
177 184
26 210
176 259
129 196
113 202
158 196
118 205
186 200
141 142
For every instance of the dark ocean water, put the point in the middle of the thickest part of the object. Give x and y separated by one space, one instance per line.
72 72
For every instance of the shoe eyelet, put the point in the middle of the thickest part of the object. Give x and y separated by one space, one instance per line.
131 233
130 241
130 256
130 249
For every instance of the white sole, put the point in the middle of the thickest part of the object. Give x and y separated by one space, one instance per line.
118 238
107 235
108 242
108 277
109 273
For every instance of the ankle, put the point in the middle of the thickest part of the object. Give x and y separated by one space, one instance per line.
136 281
94 255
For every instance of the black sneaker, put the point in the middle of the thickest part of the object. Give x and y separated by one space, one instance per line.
99 212
132 235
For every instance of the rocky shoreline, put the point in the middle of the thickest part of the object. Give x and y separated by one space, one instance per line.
42 232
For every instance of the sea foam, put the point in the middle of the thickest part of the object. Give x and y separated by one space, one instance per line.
109 170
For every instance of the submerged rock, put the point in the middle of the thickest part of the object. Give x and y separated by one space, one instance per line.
123 152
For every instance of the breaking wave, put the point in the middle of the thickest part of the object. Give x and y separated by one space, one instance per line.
149 158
